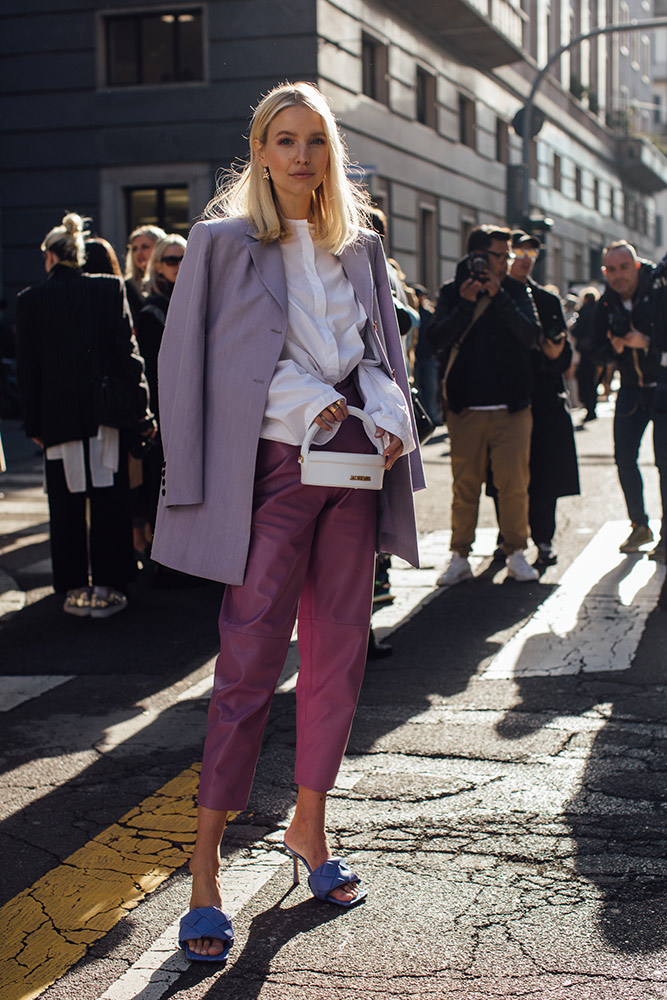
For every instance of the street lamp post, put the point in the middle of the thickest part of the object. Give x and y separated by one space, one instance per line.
656 22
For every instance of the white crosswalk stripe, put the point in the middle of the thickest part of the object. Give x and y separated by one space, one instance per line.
594 619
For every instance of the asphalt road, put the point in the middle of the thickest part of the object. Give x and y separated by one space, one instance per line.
509 822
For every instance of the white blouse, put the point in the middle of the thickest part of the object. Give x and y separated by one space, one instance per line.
324 344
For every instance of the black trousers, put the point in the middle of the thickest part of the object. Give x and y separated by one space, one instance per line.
541 516
103 548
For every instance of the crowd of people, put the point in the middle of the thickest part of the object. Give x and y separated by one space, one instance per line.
172 413
502 360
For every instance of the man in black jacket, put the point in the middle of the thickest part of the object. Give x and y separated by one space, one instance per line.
485 342
624 334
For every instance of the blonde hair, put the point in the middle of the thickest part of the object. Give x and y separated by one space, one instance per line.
66 241
153 280
132 272
340 207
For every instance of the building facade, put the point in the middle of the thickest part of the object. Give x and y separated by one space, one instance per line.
125 113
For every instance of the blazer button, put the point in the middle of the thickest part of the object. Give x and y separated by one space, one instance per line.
164 493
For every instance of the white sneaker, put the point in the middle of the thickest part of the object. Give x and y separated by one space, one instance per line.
520 569
457 571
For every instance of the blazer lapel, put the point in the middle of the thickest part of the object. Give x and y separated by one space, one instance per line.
269 265
357 268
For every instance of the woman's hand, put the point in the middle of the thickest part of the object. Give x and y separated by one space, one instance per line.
332 414
393 449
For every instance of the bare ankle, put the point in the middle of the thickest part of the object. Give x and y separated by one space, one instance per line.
204 869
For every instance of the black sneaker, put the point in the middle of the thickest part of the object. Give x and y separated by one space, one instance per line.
545 554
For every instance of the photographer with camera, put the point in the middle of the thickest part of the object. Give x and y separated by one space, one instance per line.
624 332
485 340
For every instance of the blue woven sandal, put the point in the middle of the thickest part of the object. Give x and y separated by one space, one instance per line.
329 876
206 922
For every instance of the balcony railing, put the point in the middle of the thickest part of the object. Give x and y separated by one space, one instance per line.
488 33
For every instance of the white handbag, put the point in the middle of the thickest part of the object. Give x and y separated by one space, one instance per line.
342 468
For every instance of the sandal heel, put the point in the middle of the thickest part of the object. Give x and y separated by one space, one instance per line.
295 871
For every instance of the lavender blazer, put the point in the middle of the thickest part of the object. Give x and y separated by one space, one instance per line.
225 330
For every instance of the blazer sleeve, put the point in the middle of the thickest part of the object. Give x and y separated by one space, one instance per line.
181 375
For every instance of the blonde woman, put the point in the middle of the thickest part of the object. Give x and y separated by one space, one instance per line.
139 249
281 316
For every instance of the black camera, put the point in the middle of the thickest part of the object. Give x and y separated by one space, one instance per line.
620 322
478 265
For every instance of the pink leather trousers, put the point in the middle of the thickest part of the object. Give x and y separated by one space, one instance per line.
314 547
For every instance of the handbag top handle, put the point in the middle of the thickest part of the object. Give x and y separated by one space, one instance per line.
354 411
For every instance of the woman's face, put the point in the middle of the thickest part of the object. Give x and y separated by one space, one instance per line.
170 262
296 153
142 248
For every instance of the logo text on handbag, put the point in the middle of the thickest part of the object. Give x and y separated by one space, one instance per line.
361 479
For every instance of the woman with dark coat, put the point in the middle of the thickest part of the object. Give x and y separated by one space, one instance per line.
553 459
72 331
139 249
161 274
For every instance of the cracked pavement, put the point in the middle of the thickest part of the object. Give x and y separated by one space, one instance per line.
511 831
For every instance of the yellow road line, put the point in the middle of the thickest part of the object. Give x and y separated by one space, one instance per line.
47 928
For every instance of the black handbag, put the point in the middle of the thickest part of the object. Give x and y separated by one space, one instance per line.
423 422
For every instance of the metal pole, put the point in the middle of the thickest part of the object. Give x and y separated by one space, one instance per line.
656 22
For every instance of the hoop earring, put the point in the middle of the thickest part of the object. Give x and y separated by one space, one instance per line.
265 174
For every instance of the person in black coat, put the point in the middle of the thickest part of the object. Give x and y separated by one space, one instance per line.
161 275
140 246
554 470
583 334
77 356
485 342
